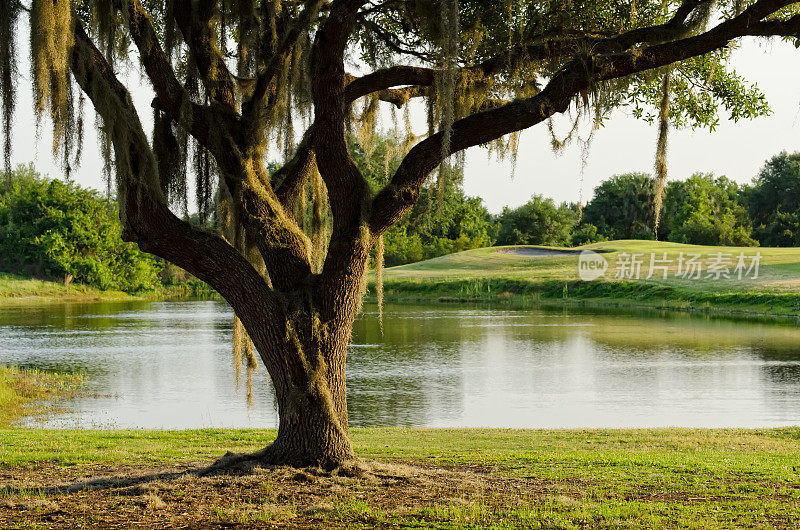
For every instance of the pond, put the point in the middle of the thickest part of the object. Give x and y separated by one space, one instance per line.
169 365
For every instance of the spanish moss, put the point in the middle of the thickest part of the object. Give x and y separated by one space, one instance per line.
379 255
661 149
9 12
51 43
319 236
446 85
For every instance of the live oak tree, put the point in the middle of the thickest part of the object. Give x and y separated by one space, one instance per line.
233 78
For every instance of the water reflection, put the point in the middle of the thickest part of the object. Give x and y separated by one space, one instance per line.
168 365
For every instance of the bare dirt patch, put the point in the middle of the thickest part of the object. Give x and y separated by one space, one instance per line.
381 494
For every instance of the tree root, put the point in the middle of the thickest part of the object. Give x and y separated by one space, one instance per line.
246 463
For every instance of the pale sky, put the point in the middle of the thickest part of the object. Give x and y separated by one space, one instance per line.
736 150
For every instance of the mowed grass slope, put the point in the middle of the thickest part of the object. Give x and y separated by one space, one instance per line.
495 273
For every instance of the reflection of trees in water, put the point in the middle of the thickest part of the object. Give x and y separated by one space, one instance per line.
387 402
414 384
435 364
782 365
65 316
412 374
420 371
58 336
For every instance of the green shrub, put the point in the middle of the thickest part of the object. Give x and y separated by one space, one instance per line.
55 230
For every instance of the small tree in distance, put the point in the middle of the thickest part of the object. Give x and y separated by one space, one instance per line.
231 77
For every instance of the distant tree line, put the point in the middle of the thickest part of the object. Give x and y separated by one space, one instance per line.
59 230
444 220
701 210
50 229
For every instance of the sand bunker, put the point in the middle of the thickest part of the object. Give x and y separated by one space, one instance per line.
533 252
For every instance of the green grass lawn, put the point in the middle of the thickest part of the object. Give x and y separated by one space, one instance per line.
459 478
19 290
491 274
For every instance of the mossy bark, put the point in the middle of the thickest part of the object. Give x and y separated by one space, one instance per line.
312 409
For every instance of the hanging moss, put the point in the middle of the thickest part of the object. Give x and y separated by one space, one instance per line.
238 348
51 44
661 149
379 255
171 168
9 13
446 35
319 236
252 367
106 153
368 124
205 176
243 352
449 68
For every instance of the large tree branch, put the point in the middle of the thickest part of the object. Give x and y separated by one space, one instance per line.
282 244
538 51
347 188
194 19
280 241
290 180
401 193
267 75
148 220
202 122
382 80
777 28
346 185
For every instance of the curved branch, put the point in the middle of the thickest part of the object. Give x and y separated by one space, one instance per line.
289 181
394 200
346 186
381 80
201 121
194 19
148 220
385 78
267 75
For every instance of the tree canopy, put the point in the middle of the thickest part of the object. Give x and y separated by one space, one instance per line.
537 222
774 201
234 79
623 207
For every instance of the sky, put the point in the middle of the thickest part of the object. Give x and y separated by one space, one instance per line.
624 144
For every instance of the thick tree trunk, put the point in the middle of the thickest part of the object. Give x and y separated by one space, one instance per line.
311 429
307 368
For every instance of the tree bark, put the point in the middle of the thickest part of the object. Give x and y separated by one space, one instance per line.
313 428
307 369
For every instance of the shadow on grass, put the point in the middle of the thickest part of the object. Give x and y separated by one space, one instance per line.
104 483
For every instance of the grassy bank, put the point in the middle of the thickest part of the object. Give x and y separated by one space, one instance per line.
18 290
22 391
417 477
495 275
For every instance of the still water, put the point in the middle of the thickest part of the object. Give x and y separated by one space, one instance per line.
168 365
